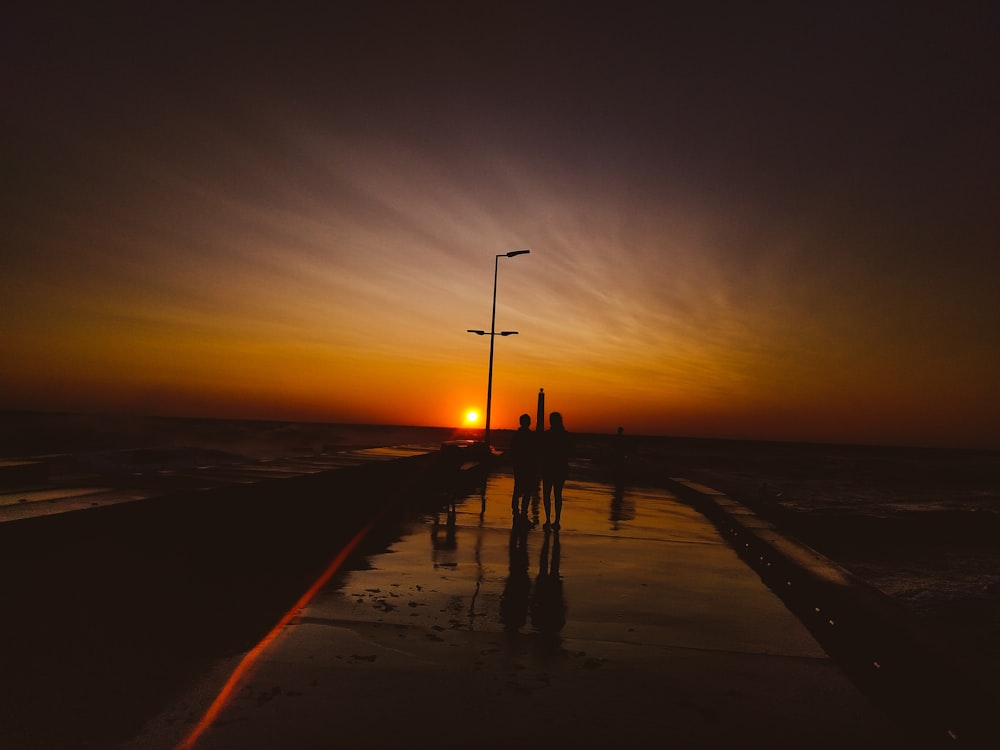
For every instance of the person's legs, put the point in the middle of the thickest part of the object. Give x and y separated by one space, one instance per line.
530 492
557 489
547 499
521 490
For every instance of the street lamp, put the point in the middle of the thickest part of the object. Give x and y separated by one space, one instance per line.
493 333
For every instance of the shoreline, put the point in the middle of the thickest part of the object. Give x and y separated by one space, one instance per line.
967 622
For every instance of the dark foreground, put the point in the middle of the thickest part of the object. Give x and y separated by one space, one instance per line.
111 610
107 619
635 624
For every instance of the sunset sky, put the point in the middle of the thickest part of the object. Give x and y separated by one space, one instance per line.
777 224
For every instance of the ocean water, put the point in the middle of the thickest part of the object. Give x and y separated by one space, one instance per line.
920 525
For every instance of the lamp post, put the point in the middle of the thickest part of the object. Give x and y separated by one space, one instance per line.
493 333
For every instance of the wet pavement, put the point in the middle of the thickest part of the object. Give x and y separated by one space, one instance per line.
635 622
127 572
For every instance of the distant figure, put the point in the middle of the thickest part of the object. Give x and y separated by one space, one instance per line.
524 457
556 451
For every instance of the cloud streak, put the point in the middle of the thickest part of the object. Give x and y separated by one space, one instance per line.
719 245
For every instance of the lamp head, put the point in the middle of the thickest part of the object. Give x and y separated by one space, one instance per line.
512 253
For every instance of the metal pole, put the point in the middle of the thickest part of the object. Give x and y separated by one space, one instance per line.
489 382
493 335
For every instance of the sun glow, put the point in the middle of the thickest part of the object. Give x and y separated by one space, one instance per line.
471 417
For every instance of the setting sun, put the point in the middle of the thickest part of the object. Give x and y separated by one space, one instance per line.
471 416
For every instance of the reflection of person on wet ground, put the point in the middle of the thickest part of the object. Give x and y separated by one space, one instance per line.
524 458
556 450
619 456
548 607
517 589
622 507
617 506
443 546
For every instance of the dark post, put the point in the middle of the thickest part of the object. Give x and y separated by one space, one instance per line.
493 335
540 417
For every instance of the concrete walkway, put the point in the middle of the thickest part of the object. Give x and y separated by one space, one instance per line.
635 623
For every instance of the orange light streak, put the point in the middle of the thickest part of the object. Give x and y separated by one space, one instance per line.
249 661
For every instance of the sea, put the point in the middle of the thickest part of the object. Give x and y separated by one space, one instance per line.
921 525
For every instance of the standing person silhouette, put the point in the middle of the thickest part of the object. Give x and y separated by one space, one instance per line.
556 450
524 457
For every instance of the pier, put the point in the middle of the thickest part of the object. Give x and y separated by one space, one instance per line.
385 593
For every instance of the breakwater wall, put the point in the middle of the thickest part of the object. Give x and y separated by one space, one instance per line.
109 611
938 697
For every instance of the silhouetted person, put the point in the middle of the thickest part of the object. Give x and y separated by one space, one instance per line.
524 457
556 450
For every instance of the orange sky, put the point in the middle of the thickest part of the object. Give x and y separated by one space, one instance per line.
731 234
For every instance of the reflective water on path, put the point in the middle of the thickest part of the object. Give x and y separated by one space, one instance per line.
626 561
